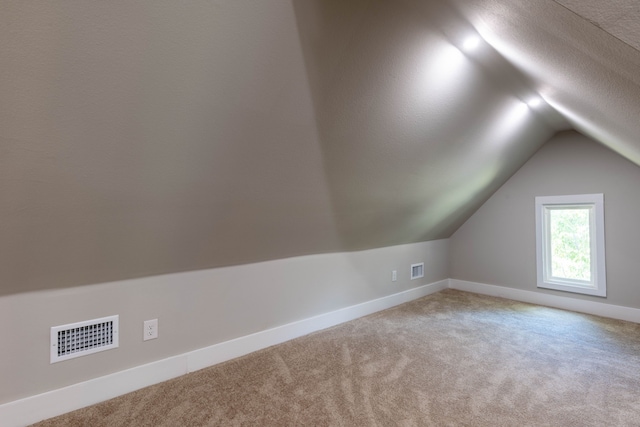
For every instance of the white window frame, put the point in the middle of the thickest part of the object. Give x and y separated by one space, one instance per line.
595 203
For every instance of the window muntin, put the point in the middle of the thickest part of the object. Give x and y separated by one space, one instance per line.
570 243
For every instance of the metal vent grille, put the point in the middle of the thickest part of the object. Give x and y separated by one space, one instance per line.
83 338
417 271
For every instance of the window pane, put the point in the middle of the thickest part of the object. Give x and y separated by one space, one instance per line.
570 245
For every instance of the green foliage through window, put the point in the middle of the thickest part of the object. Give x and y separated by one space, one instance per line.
570 245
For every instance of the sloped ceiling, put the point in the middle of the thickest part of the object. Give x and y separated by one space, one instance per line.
590 76
152 137
620 18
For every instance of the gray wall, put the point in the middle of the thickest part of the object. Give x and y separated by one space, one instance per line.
497 244
157 136
196 309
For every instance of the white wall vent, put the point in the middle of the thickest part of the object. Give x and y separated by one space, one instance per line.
83 338
417 270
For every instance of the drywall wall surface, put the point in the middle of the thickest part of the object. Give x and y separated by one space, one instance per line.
196 309
155 136
415 133
497 244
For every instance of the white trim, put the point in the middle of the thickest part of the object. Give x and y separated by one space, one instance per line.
56 402
46 405
565 303
597 285
218 353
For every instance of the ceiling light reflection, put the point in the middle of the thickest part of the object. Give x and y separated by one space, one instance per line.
534 102
446 62
443 74
509 124
471 44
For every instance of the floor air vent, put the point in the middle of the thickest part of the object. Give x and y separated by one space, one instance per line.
417 271
83 338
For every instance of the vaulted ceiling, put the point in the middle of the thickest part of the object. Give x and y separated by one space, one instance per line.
582 55
152 137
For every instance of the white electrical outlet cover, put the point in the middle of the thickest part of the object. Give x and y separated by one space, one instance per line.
150 330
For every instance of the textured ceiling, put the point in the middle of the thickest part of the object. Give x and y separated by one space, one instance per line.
620 18
158 136
588 75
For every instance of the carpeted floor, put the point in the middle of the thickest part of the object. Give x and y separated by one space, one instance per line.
449 359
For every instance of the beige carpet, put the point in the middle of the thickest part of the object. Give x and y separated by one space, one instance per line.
449 359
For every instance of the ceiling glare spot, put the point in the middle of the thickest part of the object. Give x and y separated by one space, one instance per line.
471 44
534 102
522 106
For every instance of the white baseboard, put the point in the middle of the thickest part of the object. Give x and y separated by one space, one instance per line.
228 350
56 402
566 303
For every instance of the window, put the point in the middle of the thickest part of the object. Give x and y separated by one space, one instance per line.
570 243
